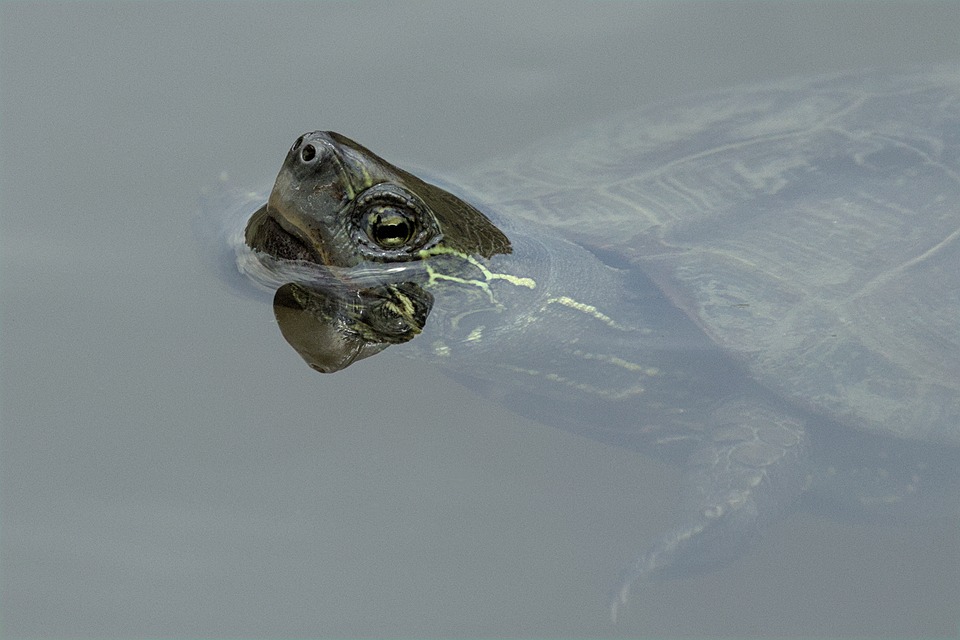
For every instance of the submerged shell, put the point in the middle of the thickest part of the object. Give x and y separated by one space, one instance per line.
812 228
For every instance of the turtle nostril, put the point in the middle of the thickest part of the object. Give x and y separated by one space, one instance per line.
296 145
308 153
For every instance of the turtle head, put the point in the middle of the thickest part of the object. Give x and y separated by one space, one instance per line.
359 229
337 204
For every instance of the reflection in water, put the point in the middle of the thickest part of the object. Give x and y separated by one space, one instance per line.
334 327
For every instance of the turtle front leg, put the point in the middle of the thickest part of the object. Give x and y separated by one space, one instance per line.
752 466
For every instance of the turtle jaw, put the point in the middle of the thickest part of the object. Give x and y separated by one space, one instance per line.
311 198
266 233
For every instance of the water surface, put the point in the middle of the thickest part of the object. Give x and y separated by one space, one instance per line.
169 465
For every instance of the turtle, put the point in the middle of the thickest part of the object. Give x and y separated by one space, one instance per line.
761 284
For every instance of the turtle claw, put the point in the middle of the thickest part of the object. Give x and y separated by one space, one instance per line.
643 567
614 605
619 598
735 482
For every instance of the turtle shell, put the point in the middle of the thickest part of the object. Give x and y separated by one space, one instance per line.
811 228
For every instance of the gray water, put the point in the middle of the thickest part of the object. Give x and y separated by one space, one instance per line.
169 465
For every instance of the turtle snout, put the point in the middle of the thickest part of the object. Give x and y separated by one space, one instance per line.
311 147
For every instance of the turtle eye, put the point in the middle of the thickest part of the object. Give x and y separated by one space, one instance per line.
391 223
389 228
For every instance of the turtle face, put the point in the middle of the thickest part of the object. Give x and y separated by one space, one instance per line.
337 204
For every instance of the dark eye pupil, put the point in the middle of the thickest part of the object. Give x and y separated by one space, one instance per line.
391 231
